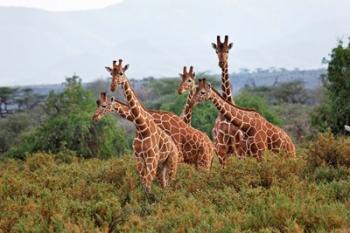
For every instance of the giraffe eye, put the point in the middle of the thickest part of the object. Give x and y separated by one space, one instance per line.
189 80
203 92
121 73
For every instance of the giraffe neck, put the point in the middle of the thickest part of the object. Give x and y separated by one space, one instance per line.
138 112
225 84
186 114
229 111
123 110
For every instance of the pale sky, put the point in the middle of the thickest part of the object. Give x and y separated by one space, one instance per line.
60 5
158 37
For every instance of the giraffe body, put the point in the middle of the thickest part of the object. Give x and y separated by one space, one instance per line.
155 152
259 134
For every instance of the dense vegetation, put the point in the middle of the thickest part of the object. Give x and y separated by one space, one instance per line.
47 184
47 193
64 125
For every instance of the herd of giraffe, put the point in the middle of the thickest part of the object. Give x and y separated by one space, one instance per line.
163 139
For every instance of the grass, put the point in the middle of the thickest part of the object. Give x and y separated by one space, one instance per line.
55 193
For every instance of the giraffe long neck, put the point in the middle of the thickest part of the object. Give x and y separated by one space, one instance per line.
230 112
186 114
225 84
123 110
137 110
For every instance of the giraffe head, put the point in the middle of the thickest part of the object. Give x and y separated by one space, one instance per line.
188 82
104 106
202 92
118 73
222 50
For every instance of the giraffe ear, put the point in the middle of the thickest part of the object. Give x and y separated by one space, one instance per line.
126 67
112 99
98 102
108 69
213 45
230 45
209 86
193 74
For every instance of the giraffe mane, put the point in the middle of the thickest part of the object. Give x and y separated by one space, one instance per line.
160 111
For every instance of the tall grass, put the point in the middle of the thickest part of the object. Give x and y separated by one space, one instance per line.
46 193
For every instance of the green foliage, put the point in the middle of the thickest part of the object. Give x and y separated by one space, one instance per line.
45 193
292 92
68 126
203 117
11 128
334 112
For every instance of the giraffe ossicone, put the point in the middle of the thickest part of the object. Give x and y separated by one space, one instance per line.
188 83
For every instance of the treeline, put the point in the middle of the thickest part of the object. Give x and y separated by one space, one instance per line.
18 99
62 123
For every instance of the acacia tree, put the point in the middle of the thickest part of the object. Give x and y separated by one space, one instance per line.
334 112
5 95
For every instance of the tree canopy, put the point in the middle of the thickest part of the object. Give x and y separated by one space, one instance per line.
334 112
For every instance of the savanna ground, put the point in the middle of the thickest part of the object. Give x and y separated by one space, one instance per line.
62 193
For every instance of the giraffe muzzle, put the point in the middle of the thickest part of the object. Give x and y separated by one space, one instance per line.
95 118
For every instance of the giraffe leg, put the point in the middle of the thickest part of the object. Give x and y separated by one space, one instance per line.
161 176
147 168
205 158
239 145
222 153
142 170
171 165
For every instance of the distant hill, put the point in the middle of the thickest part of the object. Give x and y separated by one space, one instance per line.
311 79
158 37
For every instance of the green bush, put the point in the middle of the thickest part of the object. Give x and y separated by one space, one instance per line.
69 127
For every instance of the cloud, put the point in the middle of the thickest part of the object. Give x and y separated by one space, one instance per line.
61 5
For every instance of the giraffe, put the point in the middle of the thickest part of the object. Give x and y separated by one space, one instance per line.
187 84
154 150
195 147
260 134
228 138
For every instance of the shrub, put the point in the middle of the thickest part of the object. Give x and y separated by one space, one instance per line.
69 127
329 151
44 193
